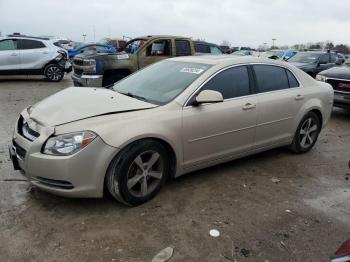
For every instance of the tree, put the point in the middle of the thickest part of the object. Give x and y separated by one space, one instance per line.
342 48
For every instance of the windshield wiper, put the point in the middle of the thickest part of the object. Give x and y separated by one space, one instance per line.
134 96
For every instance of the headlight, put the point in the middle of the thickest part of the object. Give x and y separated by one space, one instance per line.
89 65
68 144
321 78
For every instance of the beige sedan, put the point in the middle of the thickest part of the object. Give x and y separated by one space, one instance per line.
171 118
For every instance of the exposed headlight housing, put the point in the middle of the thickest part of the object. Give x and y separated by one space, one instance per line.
321 78
89 66
68 144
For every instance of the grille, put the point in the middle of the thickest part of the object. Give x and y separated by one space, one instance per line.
339 85
20 151
78 71
54 183
78 62
24 130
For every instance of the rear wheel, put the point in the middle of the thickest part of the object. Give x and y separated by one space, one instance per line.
307 133
138 172
54 73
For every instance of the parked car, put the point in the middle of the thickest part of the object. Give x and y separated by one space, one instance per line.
64 43
100 70
339 78
98 48
171 118
243 52
279 54
117 43
225 49
313 62
26 55
205 48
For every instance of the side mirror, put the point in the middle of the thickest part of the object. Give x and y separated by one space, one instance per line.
208 96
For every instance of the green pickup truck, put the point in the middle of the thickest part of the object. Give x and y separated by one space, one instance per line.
100 69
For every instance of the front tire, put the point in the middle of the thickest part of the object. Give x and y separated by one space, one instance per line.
138 172
54 73
306 134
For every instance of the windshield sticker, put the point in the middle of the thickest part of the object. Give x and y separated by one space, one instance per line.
191 70
123 56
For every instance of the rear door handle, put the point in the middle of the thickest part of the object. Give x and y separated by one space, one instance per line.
299 97
13 54
248 106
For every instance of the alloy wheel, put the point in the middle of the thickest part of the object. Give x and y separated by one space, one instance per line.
308 133
145 173
54 73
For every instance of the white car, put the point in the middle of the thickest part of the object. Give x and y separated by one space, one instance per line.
24 55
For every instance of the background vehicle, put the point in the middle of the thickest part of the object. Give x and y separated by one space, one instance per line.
98 70
243 52
313 62
115 42
339 78
205 48
98 48
164 112
225 49
25 55
279 54
64 43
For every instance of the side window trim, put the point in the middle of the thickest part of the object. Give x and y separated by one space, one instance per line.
189 99
256 88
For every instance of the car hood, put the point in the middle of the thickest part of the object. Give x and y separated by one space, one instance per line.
76 103
342 72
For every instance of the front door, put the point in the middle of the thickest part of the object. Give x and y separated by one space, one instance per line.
155 51
219 130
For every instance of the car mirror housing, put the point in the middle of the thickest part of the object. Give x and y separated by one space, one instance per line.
208 96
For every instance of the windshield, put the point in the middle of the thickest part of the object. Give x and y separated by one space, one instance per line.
307 58
161 82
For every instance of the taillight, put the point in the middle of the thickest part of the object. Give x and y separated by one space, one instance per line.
64 54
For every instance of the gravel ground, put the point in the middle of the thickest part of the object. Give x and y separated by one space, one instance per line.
303 217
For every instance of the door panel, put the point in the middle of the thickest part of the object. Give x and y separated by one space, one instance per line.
213 131
34 54
276 115
9 55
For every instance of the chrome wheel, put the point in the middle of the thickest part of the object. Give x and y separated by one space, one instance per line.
308 133
145 173
54 73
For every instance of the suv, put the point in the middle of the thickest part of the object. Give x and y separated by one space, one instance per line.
205 48
313 62
25 55
97 70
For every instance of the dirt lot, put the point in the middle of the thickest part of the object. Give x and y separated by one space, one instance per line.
304 217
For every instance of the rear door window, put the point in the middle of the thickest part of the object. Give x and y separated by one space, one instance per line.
270 78
8 44
293 82
333 58
232 82
183 48
30 44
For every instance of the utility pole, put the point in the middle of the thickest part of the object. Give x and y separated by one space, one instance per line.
265 46
273 42
84 37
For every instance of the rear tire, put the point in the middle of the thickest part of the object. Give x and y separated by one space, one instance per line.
54 73
138 172
306 134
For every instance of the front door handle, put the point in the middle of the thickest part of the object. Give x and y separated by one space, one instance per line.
299 97
13 54
248 106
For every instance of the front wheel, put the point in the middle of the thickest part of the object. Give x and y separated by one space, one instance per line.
138 172
306 134
54 73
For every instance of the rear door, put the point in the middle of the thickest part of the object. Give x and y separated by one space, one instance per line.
155 51
9 55
220 130
34 54
279 98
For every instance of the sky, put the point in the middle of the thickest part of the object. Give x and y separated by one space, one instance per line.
242 23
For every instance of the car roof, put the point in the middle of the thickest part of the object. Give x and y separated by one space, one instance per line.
160 36
225 59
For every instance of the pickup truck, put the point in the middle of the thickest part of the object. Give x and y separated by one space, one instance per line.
100 70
